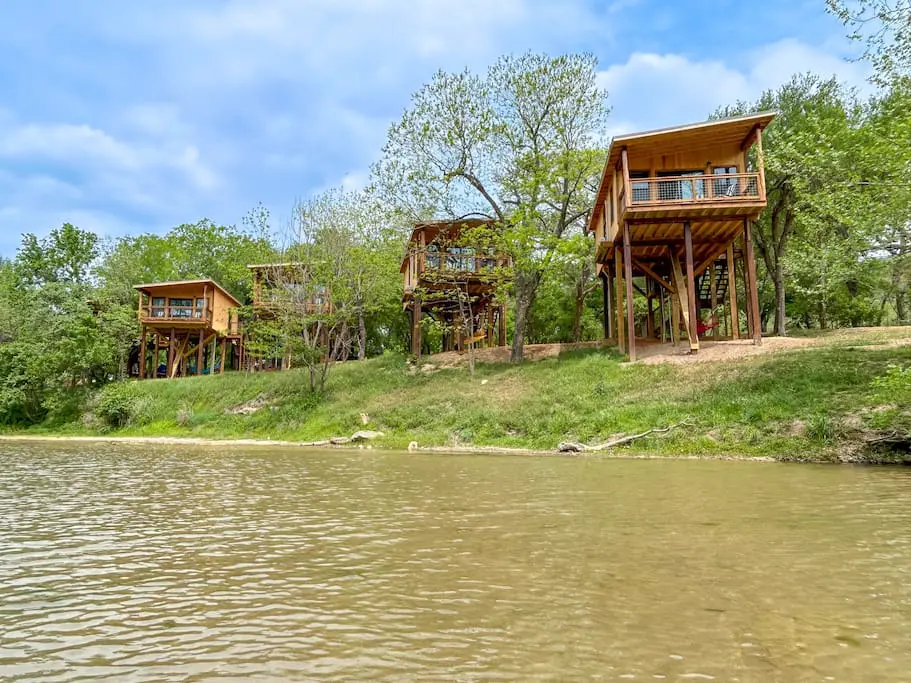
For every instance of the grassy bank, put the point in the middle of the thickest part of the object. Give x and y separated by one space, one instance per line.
836 401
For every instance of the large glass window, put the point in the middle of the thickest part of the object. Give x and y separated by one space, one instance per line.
678 188
180 308
725 187
432 259
640 190
200 311
158 304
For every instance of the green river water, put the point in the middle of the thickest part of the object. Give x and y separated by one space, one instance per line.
131 563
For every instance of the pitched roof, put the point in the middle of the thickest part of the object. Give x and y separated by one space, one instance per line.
178 283
720 132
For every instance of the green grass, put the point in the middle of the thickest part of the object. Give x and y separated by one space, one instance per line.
806 404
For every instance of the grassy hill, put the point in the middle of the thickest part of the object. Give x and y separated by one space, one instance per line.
847 398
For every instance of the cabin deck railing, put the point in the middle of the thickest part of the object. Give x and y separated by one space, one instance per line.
181 314
449 262
696 189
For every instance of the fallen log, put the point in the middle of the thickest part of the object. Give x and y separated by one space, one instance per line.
572 447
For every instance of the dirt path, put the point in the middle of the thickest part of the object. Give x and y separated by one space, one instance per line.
652 352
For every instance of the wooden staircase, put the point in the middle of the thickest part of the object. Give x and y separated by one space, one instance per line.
719 272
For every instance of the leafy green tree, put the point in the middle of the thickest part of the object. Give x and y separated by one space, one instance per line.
811 147
884 26
517 144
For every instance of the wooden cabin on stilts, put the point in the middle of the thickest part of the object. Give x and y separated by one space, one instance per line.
673 220
452 278
188 327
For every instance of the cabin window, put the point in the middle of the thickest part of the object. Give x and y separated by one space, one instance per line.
725 187
679 189
488 260
200 311
640 190
158 305
460 258
180 308
432 259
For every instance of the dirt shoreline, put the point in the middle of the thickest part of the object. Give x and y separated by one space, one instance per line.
454 450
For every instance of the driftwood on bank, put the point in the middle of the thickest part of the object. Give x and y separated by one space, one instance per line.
572 447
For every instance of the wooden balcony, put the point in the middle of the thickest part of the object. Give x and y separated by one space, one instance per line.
447 266
175 316
692 196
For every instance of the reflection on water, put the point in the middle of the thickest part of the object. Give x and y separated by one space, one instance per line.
147 564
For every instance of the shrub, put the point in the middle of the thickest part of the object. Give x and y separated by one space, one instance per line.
120 405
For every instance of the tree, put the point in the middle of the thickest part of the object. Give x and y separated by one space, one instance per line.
810 147
884 26
516 145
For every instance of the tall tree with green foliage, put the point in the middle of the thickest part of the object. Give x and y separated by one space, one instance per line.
518 144
884 26
811 148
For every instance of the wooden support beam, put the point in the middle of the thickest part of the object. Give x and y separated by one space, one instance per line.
732 294
416 327
760 164
179 357
690 284
618 301
750 265
212 355
170 352
748 140
221 368
661 297
605 291
628 273
199 348
652 274
639 289
681 308
675 318
142 348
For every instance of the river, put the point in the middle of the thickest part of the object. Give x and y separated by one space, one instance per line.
133 563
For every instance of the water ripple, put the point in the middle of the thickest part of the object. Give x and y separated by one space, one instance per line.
156 564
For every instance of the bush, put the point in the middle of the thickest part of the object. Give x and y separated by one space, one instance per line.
119 405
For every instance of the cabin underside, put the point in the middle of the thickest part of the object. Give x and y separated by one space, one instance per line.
466 312
186 350
681 267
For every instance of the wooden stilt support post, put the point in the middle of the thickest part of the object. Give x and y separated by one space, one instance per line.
416 328
750 266
221 368
732 293
170 369
682 301
605 290
675 319
142 353
691 285
628 274
661 316
199 350
618 300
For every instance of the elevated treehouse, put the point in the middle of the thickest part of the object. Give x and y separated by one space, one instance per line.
670 210
188 327
451 275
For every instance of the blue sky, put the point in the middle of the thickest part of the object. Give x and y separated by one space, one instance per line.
130 117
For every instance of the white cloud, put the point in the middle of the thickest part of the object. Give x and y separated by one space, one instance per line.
654 90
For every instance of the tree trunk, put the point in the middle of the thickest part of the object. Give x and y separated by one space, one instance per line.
778 281
526 289
578 308
361 334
